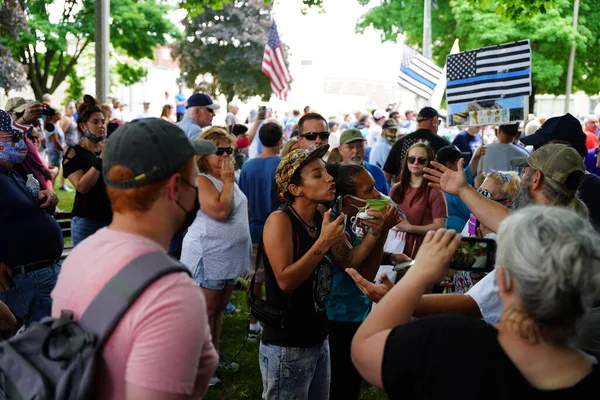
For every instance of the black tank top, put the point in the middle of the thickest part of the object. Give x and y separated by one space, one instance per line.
305 319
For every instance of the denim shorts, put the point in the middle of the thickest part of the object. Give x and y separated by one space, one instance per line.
299 373
212 284
54 158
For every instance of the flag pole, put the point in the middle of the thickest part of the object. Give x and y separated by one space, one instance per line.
427 29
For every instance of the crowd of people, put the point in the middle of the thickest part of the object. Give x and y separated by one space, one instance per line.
316 214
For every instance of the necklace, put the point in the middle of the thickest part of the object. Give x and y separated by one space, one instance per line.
312 229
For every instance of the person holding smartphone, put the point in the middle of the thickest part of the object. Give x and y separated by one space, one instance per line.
547 278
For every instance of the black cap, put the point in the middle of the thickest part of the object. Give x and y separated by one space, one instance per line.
201 100
428 113
152 149
565 128
449 154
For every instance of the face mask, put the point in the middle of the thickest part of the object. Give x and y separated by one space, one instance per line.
390 137
93 138
378 204
13 153
242 143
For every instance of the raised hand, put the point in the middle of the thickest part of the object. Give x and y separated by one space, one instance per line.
435 255
452 182
373 291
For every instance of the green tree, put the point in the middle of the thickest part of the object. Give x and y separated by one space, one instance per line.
550 32
12 73
75 89
227 44
50 50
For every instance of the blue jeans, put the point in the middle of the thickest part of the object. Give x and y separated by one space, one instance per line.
212 284
295 373
81 228
29 297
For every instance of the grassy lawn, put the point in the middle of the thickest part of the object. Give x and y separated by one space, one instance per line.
246 383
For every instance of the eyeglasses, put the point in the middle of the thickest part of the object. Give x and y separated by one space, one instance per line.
489 195
420 160
221 150
313 135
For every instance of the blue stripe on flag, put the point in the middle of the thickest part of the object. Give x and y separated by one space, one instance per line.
417 77
488 77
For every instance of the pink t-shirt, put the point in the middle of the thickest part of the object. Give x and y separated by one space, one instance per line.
163 342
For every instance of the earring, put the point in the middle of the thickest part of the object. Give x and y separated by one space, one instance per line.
301 194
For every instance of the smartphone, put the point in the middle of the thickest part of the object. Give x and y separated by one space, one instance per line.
262 112
404 265
475 254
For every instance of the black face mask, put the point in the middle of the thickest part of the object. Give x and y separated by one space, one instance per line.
190 215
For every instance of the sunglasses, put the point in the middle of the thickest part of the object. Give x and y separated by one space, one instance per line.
489 195
420 160
313 135
221 150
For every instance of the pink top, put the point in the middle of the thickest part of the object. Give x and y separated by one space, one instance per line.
163 342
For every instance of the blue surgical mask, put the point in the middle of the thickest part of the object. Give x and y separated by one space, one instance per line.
93 138
13 153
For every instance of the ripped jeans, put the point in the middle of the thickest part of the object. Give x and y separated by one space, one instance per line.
295 373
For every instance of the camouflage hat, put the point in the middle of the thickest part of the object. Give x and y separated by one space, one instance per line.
292 162
558 163
390 124
16 105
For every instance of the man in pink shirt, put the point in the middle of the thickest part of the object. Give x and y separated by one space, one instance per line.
161 349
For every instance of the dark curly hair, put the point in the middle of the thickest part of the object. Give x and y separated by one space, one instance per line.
86 109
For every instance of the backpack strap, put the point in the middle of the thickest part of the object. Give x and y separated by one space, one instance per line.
122 290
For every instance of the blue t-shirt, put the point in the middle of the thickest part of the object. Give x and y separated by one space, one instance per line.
180 97
346 302
380 183
467 143
458 212
29 234
257 179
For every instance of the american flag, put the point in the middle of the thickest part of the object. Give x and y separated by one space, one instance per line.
417 73
273 64
490 73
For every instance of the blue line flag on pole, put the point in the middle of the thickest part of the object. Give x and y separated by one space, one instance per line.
489 73
417 73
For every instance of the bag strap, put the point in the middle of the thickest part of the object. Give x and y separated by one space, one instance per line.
122 290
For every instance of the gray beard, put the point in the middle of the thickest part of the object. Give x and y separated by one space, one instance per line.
523 196
357 160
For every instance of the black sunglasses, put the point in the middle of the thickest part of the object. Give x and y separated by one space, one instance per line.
221 150
420 160
489 195
313 135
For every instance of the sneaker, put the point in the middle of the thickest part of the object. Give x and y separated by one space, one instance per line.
65 188
254 335
214 380
226 365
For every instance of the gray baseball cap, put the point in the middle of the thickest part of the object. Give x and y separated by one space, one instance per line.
152 149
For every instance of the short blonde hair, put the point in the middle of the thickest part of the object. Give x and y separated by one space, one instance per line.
215 134
509 182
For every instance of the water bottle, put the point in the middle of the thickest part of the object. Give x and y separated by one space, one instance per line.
33 185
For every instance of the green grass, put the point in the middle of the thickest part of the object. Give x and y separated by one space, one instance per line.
246 384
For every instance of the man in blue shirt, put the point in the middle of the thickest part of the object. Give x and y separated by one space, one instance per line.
32 241
180 104
352 149
468 141
381 150
199 113
256 181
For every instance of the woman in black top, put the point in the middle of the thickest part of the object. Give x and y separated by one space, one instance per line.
300 246
547 277
82 165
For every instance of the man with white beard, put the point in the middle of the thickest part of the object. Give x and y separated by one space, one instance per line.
352 149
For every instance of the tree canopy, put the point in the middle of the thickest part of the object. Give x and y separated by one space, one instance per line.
50 50
228 44
477 25
12 73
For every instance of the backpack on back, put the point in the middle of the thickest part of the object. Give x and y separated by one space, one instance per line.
56 358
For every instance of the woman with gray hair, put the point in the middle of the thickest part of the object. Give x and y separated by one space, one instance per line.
547 277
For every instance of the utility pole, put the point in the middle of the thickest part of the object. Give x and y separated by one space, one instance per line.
102 42
571 59
427 29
